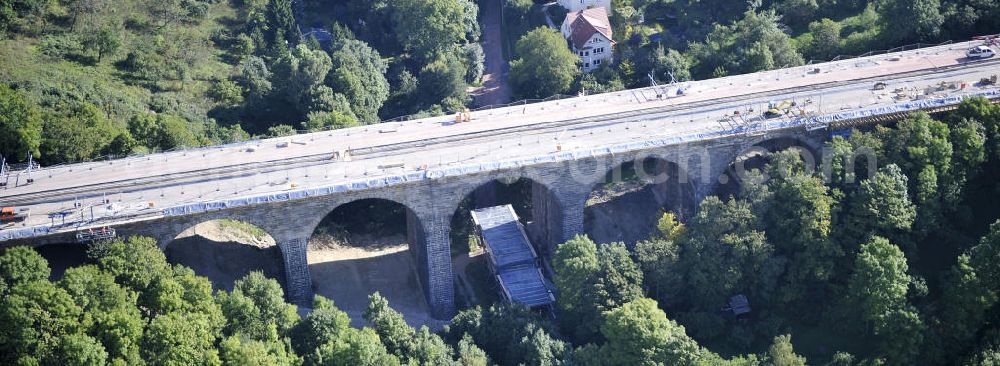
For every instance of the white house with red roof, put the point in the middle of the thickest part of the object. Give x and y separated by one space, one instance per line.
577 5
589 34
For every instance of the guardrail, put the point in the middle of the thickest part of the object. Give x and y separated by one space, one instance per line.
908 47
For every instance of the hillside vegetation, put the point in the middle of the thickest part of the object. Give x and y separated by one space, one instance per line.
84 79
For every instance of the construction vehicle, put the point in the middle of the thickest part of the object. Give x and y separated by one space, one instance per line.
778 109
463 116
992 80
13 214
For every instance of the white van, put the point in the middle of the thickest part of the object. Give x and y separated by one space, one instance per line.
980 52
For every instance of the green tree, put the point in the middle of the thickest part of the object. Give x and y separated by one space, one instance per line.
879 282
359 74
754 43
592 280
667 62
968 141
237 351
135 262
782 353
34 317
442 78
878 288
545 66
325 324
639 333
116 323
390 325
429 349
826 41
659 259
79 350
919 141
882 205
510 335
988 115
281 131
281 30
19 265
175 132
909 20
469 354
321 121
179 338
357 347
426 27
726 254
105 42
20 124
298 73
227 92
798 220
256 309
76 133
966 300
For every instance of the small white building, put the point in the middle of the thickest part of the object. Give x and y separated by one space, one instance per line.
577 5
589 34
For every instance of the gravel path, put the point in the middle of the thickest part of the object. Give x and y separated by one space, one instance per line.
495 89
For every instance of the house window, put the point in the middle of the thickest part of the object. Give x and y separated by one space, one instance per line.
597 62
586 53
586 65
581 53
599 50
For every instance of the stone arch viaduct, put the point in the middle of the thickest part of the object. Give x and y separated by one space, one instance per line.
565 147
559 193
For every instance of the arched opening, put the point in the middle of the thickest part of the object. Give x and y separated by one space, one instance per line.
63 256
627 203
538 211
756 158
366 246
225 250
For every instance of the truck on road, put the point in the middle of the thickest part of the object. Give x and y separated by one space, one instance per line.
13 214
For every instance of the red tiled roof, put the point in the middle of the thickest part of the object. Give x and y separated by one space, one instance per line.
585 23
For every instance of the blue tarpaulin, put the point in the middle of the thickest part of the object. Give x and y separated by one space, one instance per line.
511 256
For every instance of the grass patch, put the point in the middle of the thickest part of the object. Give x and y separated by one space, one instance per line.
241 227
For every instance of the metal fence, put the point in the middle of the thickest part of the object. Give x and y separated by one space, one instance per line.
908 47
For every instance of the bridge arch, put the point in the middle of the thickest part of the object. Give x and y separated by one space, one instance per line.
755 156
538 208
367 244
625 203
225 250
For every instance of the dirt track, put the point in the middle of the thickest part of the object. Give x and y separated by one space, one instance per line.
627 215
347 274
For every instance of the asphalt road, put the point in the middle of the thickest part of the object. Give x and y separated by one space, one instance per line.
303 161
